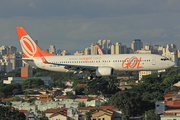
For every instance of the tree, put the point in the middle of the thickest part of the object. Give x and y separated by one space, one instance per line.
88 115
2 95
79 90
126 101
70 95
58 93
7 114
32 83
44 118
81 104
150 115
15 91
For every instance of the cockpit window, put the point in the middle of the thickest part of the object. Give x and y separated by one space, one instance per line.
164 59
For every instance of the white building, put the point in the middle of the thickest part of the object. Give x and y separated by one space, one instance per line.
170 52
52 49
143 73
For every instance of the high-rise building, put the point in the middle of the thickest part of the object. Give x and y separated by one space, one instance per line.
136 44
65 52
93 49
52 49
171 52
87 51
59 52
4 50
26 72
79 53
12 50
118 48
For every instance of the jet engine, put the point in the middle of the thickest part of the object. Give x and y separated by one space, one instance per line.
104 71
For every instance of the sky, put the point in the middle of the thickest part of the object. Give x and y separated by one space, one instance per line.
74 24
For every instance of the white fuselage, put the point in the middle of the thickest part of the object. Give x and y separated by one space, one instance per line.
120 62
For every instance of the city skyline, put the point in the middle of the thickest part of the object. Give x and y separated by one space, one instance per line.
92 44
71 25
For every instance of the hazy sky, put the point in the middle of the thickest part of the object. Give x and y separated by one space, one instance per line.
75 24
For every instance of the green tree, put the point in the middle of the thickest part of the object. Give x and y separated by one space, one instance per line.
150 115
126 101
44 118
70 95
88 115
81 104
32 83
7 114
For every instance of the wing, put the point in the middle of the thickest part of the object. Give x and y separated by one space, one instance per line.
79 68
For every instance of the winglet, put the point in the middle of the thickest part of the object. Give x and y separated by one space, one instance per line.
99 50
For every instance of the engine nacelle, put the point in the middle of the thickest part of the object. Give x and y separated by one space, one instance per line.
104 71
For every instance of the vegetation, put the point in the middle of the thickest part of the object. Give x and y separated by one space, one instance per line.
7 114
32 83
128 102
81 104
131 102
150 115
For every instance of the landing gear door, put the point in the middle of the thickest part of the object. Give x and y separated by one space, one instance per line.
153 60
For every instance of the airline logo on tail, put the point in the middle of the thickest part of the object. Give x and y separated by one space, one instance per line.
29 47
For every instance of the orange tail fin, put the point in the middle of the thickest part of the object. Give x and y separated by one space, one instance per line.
29 47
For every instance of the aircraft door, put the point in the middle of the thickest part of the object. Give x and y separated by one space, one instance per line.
153 60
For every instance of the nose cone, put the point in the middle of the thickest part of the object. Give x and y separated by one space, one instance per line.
171 64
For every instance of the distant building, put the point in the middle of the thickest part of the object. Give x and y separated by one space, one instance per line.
87 51
26 72
59 52
93 49
65 52
171 52
136 44
79 53
52 49
143 73
118 48
20 80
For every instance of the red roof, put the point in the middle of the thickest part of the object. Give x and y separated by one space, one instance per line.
24 111
45 100
167 96
175 103
61 97
169 114
107 107
84 85
85 97
7 99
46 95
98 98
55 110
131 83
124 77
87 108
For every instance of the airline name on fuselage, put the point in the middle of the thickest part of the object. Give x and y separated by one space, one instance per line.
86 58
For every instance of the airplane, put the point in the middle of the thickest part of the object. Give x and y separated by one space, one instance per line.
100 65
